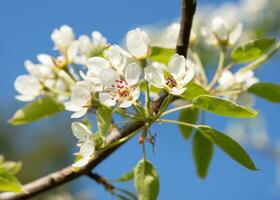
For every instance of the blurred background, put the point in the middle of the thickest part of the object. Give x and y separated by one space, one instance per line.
48 145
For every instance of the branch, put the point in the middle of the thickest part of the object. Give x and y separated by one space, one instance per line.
68 174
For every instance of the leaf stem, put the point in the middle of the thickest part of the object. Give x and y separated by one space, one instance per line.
177 122
176 109
148 99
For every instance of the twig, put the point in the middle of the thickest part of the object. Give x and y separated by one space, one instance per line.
69 173
102 181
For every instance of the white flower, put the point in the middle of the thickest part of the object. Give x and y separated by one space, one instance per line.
98 39
63 37
138 43
121 91
221 33
86 143
28 86
80 100
173 78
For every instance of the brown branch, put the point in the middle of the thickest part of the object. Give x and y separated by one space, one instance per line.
102 181
67 174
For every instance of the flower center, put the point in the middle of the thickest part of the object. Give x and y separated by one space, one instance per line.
171 82
122 90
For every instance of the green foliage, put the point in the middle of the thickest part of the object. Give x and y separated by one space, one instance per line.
104 119
189 115
146 180
202 153
268 91
126 176
39 109
252 50
193 90
228 145
224 107
162 55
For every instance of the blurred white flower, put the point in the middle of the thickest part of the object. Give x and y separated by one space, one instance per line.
221 33
86 143
174 77
121 90
63 37
80 100
138 43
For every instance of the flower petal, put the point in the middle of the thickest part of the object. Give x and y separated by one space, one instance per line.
235 34
27 85
45 59
96 64
108 77
72 51
80 113
137 42
209 37
81 131
154 76
220 27
177 66
132 73
107 99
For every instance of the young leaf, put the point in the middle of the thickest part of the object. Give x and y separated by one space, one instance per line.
9 183
189 115
268 91
162 55
10 167
126 176
252 50
202 153
146 180
222 106
193 90
36 110
228 145
103 116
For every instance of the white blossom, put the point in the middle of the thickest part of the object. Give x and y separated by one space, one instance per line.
138 43
86 143
80 100
221 33
174 77
121 90
63 37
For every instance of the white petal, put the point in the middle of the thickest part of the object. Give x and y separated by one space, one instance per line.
132 73
220 27
138 42
115 57
63 37
235 34
27 85
70 106
226 78
107 99
177 66
190 73
108 77
81 162
81 94
45 59
72 51
136 94
98 39
97 64
25 98
126 104
87 148
209 37
154 76
81 131
79 113
29 66
176 91
85 44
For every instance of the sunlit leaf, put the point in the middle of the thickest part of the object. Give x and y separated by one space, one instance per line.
146 180
189 115
126 176
193 90
36 110
103 116
10 166
268 91
162 55
9 183
228 145
252 50
222 106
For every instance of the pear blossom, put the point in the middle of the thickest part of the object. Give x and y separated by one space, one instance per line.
81 98
121 90
221 33
86 143
63 37
138 43
172 78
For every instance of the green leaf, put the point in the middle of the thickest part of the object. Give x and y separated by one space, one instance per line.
268 91
189 115
224 107
126 176
202 153
104 117
10 166
228 145
193 90
9 183
162 55
36 110
252 50
146 180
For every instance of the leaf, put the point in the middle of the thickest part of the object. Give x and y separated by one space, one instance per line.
103 115
224 107
193 90
126 176
10 166
162 55
189 115
268 91
39 109
9 183
146 180
228 145
202 153
252 50
128 193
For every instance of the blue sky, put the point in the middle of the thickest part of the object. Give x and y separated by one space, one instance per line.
25 32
